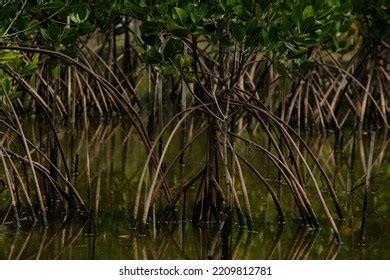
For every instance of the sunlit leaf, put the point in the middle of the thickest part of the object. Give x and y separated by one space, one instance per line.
186 60
180 16
10 56
307 12
80 14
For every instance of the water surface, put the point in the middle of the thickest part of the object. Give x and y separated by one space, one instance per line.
116 159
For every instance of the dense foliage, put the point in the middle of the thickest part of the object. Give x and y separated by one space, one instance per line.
285 32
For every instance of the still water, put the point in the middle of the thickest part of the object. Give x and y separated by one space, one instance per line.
116 158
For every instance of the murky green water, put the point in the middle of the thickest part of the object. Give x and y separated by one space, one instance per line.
116 159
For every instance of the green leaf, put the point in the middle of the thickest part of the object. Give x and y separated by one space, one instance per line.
68 36
168 71
180 16
32 27
290 46
75 18
198 13
307 12
70 51
265 37
298 53
56 72
189 77
79 14
35 58
138 11
170 49
6 85
54 31
162 9
151 56
231 2
194 17
9 57
86 27
45 34
185 61
250 27
176 29
29 69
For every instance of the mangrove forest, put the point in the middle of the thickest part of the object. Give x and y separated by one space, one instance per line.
188 129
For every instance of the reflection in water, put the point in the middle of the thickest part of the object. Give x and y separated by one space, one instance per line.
41 243
107 174
71 241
